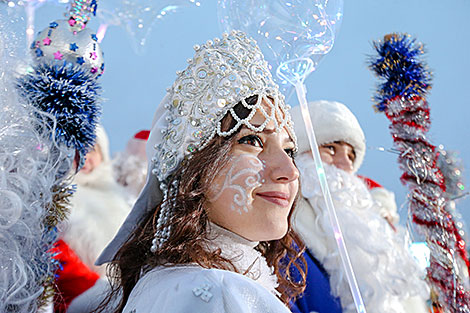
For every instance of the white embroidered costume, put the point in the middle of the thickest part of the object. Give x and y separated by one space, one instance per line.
190 288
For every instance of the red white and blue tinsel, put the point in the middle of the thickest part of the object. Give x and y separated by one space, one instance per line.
401 95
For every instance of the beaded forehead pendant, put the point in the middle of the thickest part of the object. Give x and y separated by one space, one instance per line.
221 74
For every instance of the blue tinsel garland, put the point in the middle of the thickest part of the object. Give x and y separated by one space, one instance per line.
69 93
398 62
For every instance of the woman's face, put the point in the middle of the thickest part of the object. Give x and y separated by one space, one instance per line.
254 192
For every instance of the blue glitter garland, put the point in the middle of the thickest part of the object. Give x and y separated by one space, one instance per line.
399 63
69 93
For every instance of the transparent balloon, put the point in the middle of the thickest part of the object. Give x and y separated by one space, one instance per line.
294 35
16 8
138 17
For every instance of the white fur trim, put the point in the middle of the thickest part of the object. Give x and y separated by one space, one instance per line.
332 121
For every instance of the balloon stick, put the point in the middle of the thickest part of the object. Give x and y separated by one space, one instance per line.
290 72
29 10
101 32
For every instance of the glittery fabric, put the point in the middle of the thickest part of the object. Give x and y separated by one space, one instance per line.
222 73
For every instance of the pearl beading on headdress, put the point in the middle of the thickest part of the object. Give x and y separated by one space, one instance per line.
222 73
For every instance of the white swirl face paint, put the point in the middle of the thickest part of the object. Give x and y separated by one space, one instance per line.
239 180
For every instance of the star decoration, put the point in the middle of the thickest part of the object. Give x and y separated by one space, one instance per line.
73 46
58 55
39 52
94 5
93 36
93 55
94 69
72 22
47 41
53 25
80 60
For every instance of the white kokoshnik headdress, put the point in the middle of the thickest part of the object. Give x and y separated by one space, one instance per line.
222 73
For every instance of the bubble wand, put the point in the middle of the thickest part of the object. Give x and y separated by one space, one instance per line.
290 72
294 36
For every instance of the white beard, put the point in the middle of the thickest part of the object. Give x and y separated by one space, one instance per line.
388 277
130 171
98 209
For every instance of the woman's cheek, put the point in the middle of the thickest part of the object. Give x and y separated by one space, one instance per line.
235 183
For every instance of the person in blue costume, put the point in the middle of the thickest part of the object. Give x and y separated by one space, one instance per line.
318 297
388 277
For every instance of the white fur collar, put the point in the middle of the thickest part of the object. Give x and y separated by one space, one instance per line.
248 261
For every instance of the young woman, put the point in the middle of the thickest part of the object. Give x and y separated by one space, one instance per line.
212 225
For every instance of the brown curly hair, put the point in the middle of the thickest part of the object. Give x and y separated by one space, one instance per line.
189 220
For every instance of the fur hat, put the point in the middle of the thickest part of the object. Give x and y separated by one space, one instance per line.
136 145
332 121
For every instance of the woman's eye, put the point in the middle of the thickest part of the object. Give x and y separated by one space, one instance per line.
252 140
291 153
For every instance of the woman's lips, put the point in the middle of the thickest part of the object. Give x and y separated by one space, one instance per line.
276 197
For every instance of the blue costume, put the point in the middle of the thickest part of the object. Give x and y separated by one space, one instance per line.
317 296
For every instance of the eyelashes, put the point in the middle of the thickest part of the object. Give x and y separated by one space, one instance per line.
333 149
252 140
291 153
256 141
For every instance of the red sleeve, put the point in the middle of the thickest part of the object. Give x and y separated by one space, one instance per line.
371 184
72 278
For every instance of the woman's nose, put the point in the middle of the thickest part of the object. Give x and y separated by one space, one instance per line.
281 167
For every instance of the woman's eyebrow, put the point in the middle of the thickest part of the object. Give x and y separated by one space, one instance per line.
288 139
265 130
